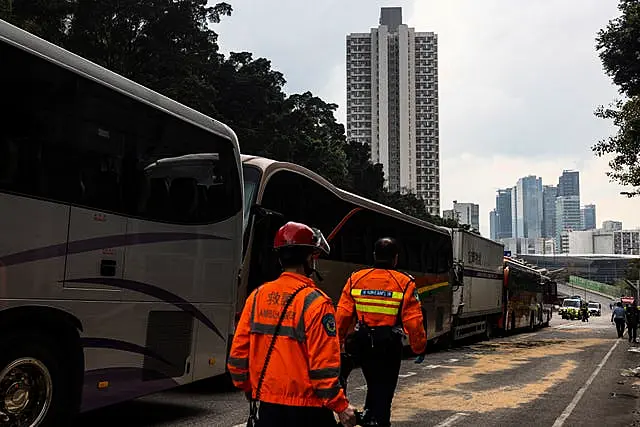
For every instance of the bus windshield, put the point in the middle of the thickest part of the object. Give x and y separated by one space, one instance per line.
571 303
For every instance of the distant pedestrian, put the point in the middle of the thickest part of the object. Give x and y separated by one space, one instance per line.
633 316
618 317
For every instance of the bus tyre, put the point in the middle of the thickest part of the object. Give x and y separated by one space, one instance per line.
489 330
532 322
35 383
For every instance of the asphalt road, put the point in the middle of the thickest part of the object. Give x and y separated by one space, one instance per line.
567 374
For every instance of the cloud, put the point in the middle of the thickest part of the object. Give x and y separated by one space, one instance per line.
518 83
518 77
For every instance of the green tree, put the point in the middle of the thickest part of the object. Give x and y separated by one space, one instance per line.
310 135
618 45
165 45
251 100
632 271
45 18
363 177
624 145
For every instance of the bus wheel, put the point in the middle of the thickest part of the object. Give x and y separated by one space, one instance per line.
34 384
489 330
532 321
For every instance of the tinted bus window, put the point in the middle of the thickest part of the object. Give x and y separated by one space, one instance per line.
69 139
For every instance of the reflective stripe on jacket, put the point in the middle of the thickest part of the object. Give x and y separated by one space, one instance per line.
305 362
382 297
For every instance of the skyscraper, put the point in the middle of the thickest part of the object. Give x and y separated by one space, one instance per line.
569 183
493 226
503 214
588 217
568 216
392 103
528 204
549 194
467 213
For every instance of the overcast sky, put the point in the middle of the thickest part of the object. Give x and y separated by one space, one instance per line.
518 84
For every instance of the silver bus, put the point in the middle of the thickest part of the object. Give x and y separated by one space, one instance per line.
276 192
120 236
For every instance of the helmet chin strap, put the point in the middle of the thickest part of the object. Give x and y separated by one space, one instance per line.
310 268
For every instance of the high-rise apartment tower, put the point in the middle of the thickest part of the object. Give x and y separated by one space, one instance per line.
392 104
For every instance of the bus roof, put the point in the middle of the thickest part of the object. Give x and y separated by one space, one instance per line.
26 41
511 262
269 166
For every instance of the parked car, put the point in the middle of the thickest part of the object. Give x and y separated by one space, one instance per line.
595 309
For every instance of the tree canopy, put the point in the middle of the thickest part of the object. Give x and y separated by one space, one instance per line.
619 46
171 47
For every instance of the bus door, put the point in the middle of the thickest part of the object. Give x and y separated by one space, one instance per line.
95 246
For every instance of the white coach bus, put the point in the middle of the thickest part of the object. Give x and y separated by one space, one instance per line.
280 191
121 218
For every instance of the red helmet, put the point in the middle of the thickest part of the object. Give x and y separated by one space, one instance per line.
295 234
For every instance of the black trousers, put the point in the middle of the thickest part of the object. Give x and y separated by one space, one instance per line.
272 415
380 367
632 330
619 327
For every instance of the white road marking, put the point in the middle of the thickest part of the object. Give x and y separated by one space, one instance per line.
408 374
362 387
569 409
452 360
452 419
431 367
240 425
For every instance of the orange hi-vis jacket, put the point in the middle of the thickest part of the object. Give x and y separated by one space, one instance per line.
305 362
382 297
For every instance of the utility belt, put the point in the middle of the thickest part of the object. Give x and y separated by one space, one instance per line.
365 338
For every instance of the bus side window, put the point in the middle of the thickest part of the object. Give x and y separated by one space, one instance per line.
413 252
429 257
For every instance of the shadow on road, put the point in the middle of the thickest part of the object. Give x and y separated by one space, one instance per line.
217 385
137 413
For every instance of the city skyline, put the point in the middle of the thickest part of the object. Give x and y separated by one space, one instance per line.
481 148
532 209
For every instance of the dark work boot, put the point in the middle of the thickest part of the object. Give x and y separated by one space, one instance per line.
368 420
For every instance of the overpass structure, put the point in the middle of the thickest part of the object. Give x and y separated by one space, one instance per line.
605 268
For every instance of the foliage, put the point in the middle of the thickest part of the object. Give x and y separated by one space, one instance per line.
633 270
618 45
170 47
45 18
625 144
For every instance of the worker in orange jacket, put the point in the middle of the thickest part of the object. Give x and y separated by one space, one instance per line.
383 302
299 385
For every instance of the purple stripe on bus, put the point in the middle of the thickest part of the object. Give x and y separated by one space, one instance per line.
96 243
124 384
129 347
156 292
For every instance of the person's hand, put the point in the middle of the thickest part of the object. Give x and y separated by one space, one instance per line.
348 417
